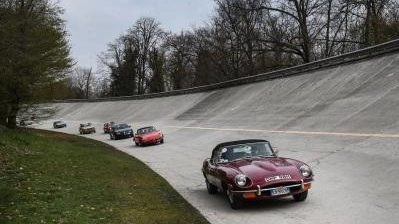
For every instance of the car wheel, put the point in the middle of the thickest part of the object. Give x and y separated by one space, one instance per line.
301 196
162 141
137 144
234 201
212 189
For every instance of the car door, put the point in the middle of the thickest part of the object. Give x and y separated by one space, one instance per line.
213 172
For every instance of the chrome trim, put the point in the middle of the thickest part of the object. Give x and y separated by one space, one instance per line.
259 191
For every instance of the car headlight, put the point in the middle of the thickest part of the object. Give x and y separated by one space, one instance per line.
241 180
305 170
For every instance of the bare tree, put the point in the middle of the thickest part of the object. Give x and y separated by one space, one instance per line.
245 37
145 35
181 59
82 82
128 58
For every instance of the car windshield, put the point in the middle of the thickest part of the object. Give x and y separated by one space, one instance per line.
247 150
145 130
120 126
57 122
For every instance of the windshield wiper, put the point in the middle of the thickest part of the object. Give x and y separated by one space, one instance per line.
264 156
245 157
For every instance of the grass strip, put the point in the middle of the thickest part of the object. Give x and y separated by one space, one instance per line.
48 177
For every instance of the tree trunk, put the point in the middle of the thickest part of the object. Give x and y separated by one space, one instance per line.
328 24
367 24
88 84
12 116
3 114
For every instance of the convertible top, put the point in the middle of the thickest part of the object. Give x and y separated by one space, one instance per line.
146 127
224 144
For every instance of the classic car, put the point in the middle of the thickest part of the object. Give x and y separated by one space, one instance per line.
59 124
107 127
148 135
25 122
87 128
251 170
121 130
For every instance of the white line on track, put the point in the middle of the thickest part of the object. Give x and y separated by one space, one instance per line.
341 134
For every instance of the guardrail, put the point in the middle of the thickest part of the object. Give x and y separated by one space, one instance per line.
370 52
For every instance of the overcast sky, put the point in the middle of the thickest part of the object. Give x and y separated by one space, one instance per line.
92 24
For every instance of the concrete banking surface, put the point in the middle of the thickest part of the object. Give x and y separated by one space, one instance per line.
343 121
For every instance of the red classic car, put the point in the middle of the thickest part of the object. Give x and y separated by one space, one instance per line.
148 135
87 128
107 127
251 170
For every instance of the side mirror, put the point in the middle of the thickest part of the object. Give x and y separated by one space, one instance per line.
276 151
211 161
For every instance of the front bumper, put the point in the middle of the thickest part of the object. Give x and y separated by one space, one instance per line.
262 193
88 131
150 141
123 135
60 126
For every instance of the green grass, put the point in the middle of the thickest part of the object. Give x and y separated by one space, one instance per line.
48 177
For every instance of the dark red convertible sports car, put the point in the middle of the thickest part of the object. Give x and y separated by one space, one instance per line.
148 135
251 170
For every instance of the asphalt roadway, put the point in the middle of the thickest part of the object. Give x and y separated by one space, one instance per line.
343 121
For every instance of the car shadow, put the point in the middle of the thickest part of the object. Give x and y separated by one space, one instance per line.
219 201
149 145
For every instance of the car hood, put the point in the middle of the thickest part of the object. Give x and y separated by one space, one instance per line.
149 135
276 169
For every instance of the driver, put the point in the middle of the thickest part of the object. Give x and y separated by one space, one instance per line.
226 155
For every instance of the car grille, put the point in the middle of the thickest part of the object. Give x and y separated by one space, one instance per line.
290 183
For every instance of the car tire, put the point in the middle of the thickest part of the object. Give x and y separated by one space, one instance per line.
301 196
162 141
234 201
212 189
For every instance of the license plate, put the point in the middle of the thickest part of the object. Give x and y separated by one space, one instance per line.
280 191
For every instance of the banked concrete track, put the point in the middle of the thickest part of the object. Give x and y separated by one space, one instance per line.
342 120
